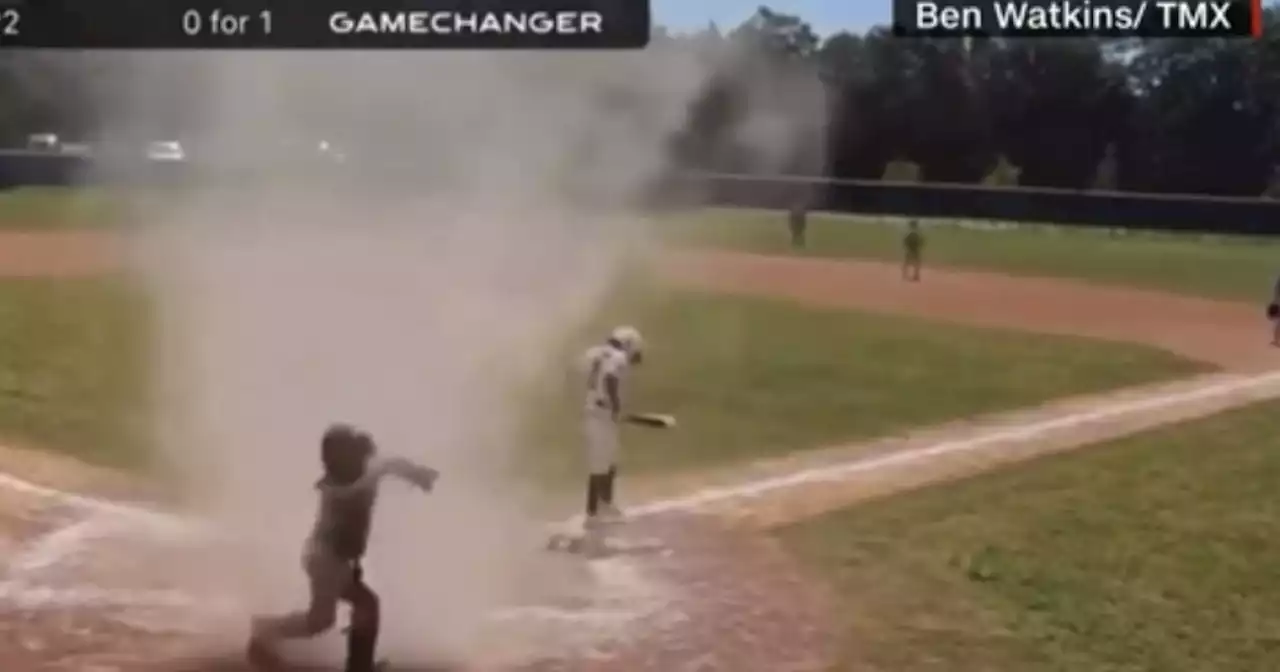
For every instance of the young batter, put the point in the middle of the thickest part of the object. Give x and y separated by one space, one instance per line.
335 547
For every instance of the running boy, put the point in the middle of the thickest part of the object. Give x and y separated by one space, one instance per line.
335 548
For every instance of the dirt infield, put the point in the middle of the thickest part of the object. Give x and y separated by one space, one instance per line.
708 595
60 254
1230 335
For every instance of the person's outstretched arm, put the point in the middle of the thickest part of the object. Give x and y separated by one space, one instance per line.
406 470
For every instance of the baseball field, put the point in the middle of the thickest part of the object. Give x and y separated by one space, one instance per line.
1057 452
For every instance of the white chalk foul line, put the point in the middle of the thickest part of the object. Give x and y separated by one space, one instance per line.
54 547
163 524
168 525
1031 430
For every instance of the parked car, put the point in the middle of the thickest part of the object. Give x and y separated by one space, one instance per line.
43 142
167 150
325 150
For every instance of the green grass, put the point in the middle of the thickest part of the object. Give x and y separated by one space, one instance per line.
73 368
1224 267
1155 553
56 208
1234 268
749 377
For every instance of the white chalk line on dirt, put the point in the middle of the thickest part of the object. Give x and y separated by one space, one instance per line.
1023 432
168 525
52 548
160 523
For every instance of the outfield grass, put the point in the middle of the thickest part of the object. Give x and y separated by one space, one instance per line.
750 378
1235 268
1154 553
1224 267
73 368
56 208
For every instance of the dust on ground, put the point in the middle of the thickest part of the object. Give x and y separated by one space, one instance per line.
736 602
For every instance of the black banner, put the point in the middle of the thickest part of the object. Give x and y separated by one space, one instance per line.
324 24
1076 18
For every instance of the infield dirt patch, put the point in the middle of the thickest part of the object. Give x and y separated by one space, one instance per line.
57 254
1227 334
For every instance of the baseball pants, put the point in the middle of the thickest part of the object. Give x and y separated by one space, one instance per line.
332 580
601 434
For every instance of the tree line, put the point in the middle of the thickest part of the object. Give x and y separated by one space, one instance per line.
1195 116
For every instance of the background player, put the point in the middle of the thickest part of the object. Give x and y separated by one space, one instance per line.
797 224
1273 313
912 248
338 540
607 366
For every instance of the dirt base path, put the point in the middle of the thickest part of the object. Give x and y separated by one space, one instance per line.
789 489
784 490
57 254
705 596
1230 335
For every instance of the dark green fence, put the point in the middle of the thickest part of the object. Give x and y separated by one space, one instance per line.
1253 216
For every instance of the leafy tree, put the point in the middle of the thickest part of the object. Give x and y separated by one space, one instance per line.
1195 115
1057 106
1205 119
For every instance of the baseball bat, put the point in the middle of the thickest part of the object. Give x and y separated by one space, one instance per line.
651 420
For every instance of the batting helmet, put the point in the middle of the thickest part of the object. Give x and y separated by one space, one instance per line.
344 452
628 339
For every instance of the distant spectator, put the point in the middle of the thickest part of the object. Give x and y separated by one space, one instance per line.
912 249
797 222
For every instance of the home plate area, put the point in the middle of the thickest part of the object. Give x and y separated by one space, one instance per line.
671 593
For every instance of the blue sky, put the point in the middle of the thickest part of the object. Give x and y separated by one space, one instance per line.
826 16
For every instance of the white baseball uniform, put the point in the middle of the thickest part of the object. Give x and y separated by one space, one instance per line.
600 428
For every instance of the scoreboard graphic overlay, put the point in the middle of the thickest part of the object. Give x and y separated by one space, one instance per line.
324 24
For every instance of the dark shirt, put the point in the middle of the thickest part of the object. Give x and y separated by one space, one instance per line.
913 242
345 510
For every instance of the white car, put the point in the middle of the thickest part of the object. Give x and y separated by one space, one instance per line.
326 150
43 142
166 151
